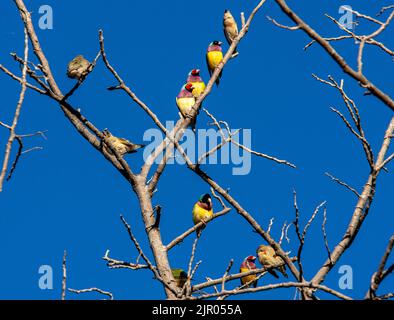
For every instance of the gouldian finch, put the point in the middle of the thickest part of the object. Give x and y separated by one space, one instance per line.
230 27
122 146
78 67
214 57
185 101
268 258
202 211
198 84
246 266
180 277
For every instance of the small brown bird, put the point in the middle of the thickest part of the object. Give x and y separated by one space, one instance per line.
230 27
268 258
78 67
122 146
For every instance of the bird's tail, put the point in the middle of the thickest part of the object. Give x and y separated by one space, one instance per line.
273 273
282 270
218 79
193 124
199 231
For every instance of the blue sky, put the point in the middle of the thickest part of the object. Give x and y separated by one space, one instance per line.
67 196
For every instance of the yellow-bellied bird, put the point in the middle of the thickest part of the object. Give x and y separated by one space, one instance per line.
202 211
198 84
78 67
121 145
180 277
185 101
268 258
214 57
246 266
230 27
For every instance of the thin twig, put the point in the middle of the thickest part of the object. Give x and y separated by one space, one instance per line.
107 293
381 273
12 135
325 234
343 184
64 279
181 237
144 257
119 264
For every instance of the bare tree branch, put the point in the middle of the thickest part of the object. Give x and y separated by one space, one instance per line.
11 137
210 282
119 264
364 82
343 184
275 286
381 273
107 293
64 279
188 232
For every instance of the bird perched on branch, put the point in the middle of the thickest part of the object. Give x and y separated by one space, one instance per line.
230 28
198 84
180 277
202 211
121 145
78 67
246 266
269 258
185 101
214 57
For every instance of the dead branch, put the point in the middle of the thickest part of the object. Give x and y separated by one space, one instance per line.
119 264
303 285
232 277
361 210
362 79
188 232
107 293
12 129
64 279
343 184
381 273
325 234
145 258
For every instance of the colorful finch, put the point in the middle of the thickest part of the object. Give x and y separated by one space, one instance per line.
185 101
214 57
246 266
202 211
198 84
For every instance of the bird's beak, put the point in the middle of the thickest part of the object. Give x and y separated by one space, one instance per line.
220 43
254 258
